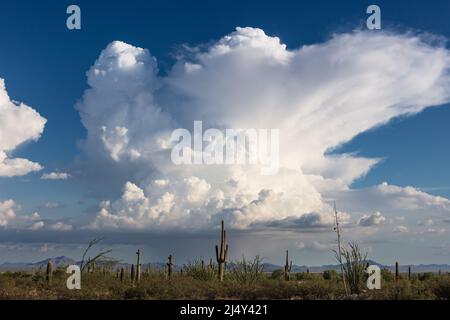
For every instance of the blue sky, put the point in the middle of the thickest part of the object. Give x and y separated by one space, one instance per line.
44 65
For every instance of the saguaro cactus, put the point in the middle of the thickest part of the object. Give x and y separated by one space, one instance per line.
138 266
221 256
409 273
49 272
397 276
287 267
133 274
169 267
122 273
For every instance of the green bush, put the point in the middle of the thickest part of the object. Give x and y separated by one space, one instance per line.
245 271
425 276
387 276
199 271
302 276
277 274
330 274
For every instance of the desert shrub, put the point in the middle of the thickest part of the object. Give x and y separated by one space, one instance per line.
245 271
425 276
277 274
354 265
387 275
199 271
330 274
442 289
137 293
318 290
302 276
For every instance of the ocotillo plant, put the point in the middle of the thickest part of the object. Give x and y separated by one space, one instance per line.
397 276
49 272
133 275
287 267
138 266
221 256
169 267
122 273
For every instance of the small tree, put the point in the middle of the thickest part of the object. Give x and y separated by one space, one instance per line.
101 254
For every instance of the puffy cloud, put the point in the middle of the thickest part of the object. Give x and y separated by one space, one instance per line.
412 198
19 123
118 110
390 199
372 220
7 212
316 245
55 176
60 226
308 221
318 96
37 225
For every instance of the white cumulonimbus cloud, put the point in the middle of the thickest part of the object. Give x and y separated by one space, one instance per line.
19 123
318 96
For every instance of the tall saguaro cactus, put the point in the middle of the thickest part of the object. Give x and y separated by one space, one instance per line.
133 274
138 266
169 267
49 272
122 273
287 267
221 256
397 275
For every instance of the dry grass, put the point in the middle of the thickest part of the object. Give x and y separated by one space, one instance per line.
22 285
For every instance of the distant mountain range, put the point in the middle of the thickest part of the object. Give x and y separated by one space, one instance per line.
421 268
267 267
28 266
